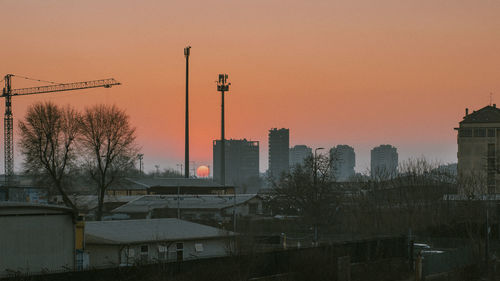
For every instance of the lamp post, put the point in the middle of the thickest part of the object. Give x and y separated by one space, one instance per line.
315 175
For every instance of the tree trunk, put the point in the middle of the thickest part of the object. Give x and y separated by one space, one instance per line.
100 204
65 198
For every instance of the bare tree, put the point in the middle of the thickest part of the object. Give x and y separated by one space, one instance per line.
307 191
47 143
108 140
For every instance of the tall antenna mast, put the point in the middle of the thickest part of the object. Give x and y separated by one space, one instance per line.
187 52
222 86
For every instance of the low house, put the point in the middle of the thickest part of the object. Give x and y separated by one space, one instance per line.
36 239
127 242
202 208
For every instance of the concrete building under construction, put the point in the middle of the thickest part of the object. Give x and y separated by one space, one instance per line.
242 161
478 142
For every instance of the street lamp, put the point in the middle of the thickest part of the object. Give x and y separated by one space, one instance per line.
315 191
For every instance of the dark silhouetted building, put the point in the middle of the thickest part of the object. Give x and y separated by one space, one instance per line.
343 161
298 154
384 161
279 143
242 160
478 143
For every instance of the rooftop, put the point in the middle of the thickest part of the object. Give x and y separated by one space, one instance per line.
148 230
145 183
89 202
146 203
23 208
487 114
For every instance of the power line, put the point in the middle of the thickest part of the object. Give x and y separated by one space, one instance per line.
34 79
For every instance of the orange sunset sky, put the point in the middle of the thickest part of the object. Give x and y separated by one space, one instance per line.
361 73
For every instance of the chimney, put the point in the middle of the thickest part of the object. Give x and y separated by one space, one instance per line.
466 111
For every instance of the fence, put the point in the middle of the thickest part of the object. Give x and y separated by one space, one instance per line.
447 261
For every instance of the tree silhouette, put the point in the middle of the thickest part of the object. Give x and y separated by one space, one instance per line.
108 142
308 191
47 143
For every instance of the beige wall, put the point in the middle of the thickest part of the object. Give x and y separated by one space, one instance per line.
32 244
473 160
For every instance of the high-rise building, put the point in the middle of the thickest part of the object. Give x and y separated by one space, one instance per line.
384 161
279 143
298 154
242 160
343 160
478 143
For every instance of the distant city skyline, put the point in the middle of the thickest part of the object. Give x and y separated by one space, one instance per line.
278 152
343 161
354 72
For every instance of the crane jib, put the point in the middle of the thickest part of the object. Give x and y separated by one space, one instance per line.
106 83
7 93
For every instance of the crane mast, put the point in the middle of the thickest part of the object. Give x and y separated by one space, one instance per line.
8 129
8 93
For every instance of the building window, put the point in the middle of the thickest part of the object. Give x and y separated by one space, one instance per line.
198 247
465 133
491 150
491 133
162 253
480 132
180 251
127 256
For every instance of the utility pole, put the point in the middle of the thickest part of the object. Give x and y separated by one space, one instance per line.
187 52
487 242
222 86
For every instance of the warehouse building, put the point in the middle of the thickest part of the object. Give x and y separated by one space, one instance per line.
36 239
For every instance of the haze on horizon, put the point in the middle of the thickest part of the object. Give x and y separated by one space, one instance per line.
361 73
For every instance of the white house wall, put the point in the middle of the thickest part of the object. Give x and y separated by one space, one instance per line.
113 255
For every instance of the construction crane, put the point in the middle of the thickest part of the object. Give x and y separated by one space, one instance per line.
8 93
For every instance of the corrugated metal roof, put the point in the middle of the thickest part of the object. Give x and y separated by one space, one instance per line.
89 202
146 203
148 230
14 207
144 183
